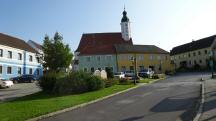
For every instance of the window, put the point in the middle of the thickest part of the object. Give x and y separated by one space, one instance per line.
9 54
19 70
206 51
166 58
195 62
188 54
151 57
98 58
141 57
92 69
30 71
109 57
194 54
129 57
0 69
9 70
200 61
199 53
189 62
30 58
85 70
88 59
19 56
1 53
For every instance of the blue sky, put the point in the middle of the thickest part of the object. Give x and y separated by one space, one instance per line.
165 23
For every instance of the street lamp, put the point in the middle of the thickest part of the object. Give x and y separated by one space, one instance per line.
133 60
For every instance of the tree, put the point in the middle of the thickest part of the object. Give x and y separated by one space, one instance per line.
57 55
109 72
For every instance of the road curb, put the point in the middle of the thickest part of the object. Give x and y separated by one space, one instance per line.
199 113
88 103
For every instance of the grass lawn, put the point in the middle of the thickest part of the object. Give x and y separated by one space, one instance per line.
38 104
146 80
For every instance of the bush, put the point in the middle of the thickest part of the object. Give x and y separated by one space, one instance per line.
111 82
95 83
73 83
48 81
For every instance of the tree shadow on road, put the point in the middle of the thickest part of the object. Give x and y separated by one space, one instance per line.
177 104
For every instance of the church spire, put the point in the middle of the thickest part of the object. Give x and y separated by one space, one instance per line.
125 26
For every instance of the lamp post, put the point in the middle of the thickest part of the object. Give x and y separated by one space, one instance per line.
133 60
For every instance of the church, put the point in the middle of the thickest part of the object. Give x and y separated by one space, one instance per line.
99 51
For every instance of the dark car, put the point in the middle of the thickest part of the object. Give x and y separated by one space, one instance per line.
24 79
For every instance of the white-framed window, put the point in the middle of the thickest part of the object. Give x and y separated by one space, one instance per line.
1 52
85 69
30 58
159 57
19 70
9 54
30 71
98 58
9 70
141 57
109 57
129 57
151 57
88 59
19 56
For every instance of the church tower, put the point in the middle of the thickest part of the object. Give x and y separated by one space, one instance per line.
125 27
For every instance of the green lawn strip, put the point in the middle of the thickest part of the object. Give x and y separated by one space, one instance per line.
146 80
38 104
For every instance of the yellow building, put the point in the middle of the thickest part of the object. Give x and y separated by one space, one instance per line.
146 56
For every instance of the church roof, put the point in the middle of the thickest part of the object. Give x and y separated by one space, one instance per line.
100 43
194 45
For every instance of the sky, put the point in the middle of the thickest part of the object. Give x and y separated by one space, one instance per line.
164 23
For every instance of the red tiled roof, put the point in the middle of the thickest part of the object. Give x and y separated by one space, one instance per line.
15 42
100 43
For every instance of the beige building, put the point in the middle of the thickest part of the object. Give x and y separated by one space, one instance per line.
195 54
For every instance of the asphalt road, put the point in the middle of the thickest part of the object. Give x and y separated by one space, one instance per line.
18 90
166 100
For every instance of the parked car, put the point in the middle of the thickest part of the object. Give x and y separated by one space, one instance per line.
130 75
24 79
146 73
5 83
119 75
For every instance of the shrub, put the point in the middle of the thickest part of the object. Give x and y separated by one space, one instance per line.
95 83
48 81
73 83
111 82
